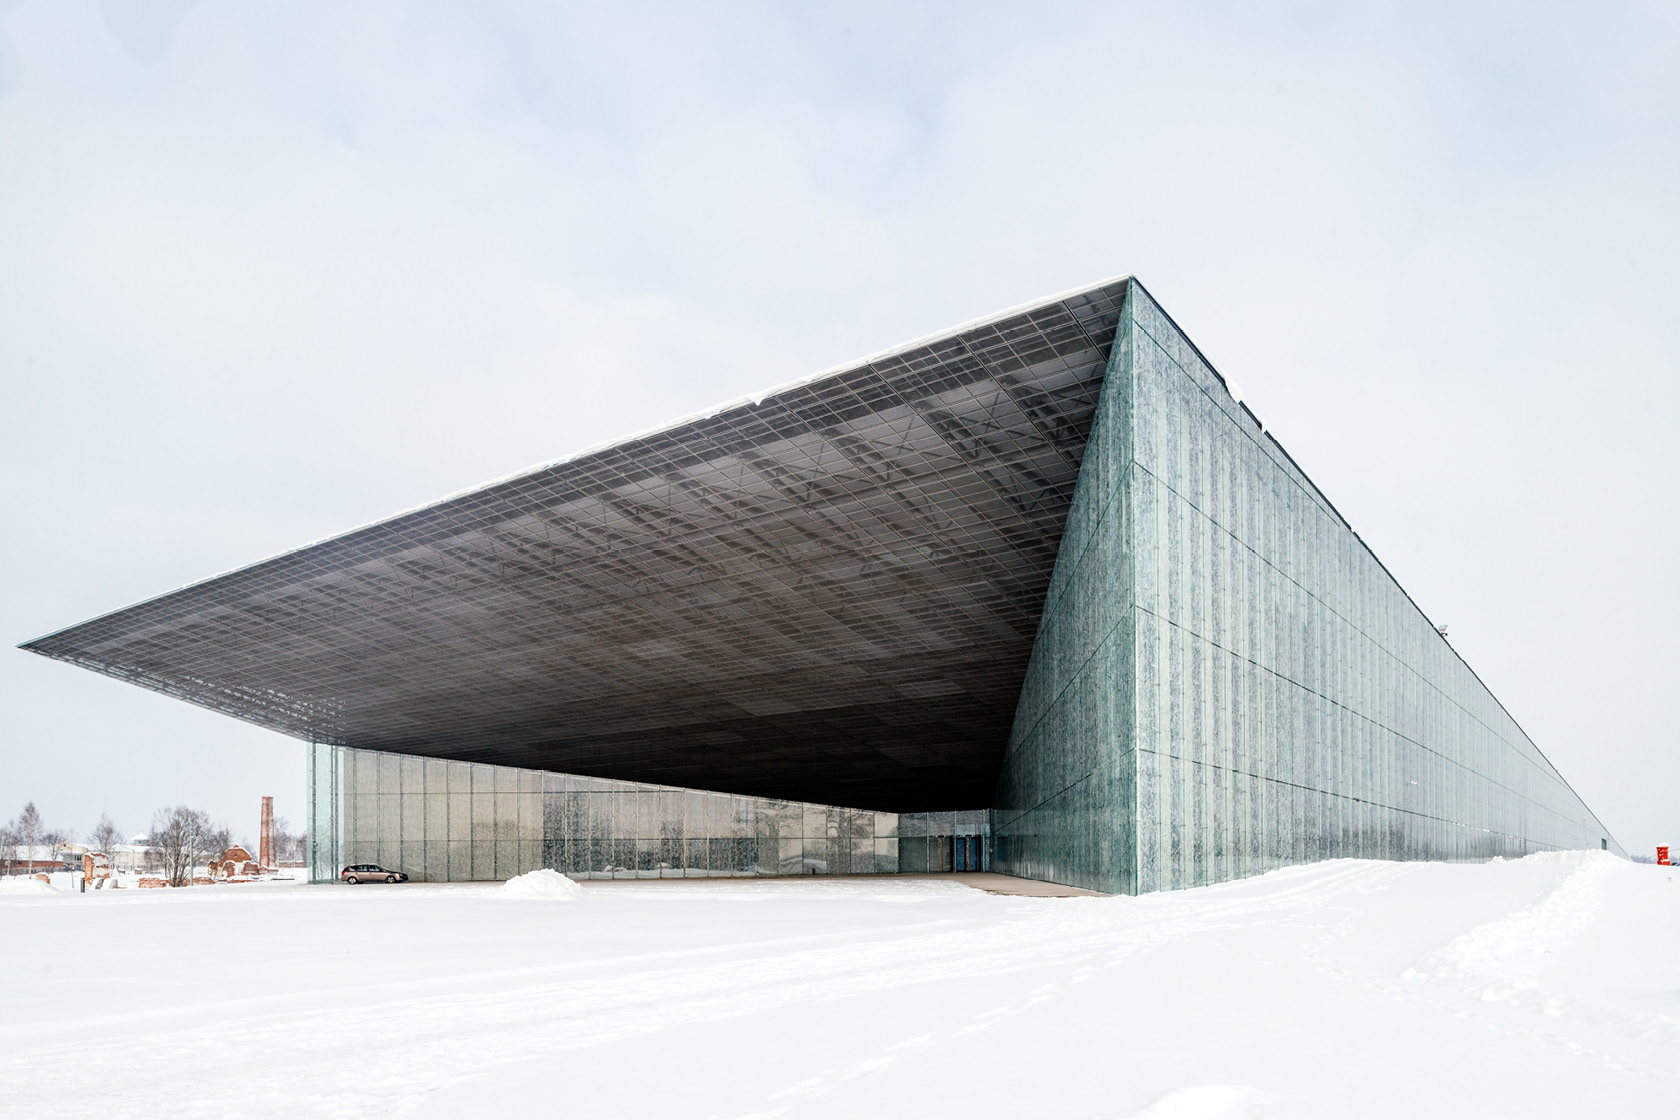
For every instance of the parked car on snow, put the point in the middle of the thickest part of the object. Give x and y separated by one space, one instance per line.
371 873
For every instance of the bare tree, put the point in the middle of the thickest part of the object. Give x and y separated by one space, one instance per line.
288 845
218 840
181 838
105 836
28 839
151 859
29 829
9 842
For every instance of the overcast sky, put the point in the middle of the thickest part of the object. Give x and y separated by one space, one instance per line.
270 271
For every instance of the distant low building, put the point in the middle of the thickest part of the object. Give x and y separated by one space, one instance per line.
26 859
131 858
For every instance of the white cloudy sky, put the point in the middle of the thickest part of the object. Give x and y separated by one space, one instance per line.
268 271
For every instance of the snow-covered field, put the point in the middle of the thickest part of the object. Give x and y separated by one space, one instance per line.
1544 987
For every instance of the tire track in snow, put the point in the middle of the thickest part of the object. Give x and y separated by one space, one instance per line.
1489 973
443 1039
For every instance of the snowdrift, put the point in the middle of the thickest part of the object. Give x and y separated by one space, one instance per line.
19 884
542 883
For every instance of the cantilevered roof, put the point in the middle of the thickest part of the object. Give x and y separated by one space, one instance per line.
828 593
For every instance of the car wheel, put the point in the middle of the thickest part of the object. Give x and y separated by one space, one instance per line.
390 878
352 880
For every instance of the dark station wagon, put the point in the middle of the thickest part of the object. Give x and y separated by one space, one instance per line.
371 873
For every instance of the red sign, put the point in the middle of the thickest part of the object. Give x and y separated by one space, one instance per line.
1662 855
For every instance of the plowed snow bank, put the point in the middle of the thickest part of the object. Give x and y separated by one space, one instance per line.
18 884
542 883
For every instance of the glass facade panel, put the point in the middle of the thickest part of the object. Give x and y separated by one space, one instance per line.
461 821
1225 680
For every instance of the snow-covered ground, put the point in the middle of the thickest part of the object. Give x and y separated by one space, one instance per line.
1543 987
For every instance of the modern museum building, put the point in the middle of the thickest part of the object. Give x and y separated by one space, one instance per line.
1035 595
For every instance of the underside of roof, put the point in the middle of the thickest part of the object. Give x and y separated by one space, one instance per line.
826 595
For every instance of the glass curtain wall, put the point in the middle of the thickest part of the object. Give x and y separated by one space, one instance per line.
445 821
1226 680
